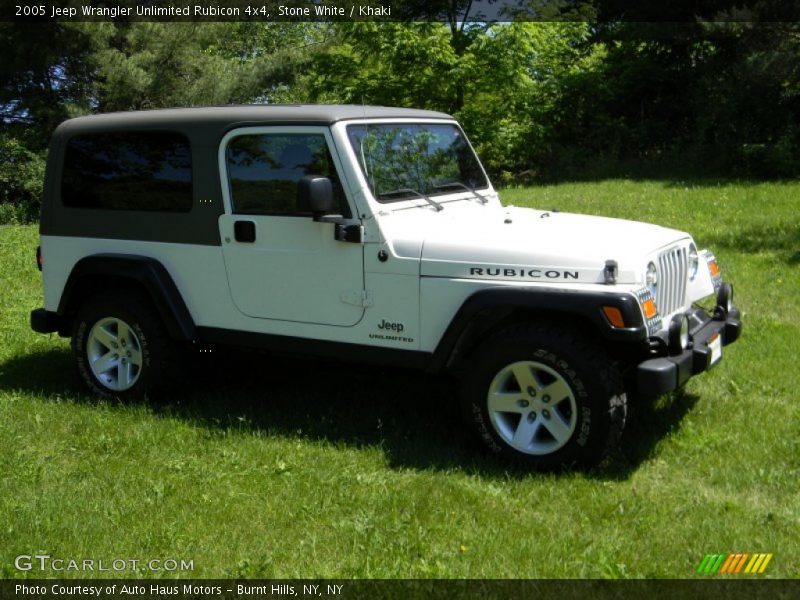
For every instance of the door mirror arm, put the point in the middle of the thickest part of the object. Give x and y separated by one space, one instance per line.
349 231
344 230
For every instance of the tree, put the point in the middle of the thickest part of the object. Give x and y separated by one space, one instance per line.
502 86
390 64
46 75
719 95
149 65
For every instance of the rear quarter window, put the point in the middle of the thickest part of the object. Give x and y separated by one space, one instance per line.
146 171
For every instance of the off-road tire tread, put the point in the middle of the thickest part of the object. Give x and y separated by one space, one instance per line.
158 348
555 336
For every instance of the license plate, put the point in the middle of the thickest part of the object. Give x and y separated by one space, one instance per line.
715 345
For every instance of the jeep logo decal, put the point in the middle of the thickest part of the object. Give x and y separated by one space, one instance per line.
384 324
523 272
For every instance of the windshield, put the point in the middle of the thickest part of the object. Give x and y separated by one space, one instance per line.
410 160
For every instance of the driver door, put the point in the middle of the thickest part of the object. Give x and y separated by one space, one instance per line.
281 264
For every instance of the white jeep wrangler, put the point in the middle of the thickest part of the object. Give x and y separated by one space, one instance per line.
366 233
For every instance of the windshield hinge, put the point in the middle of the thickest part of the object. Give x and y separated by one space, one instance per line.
610 272
357 297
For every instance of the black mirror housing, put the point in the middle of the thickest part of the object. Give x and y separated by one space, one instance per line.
315 195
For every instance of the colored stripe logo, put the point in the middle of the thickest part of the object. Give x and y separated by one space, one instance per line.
734 563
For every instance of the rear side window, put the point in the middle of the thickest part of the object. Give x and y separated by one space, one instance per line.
264 170
150 171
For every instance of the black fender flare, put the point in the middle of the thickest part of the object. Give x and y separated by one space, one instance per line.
488 307
142 270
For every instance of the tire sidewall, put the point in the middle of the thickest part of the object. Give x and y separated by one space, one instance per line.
593 399
141 327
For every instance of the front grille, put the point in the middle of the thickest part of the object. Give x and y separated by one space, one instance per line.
672 271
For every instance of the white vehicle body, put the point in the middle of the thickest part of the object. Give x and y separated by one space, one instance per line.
399 284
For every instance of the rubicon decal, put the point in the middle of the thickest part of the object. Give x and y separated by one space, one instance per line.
734 563
523 272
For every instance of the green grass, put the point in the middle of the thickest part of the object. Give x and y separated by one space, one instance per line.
265 469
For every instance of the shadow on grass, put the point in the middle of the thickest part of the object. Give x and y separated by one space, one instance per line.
704 181
783 239
648 423
413 417
682 170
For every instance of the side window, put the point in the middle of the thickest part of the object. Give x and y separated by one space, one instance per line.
264 169
150 171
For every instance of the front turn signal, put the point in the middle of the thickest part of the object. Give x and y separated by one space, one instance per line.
614 316
649 308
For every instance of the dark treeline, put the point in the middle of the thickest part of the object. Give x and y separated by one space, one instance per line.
541 101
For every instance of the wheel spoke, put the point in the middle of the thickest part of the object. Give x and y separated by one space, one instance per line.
122 375
524 376
129 373
105 362
123 333
558 390
557 426
105 337
505 402
526 430
135 357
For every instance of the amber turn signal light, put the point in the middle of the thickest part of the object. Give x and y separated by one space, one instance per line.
649 308
614 316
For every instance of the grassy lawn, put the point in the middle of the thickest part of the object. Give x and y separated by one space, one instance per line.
261 468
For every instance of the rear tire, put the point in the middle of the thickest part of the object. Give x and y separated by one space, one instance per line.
120 346
545 397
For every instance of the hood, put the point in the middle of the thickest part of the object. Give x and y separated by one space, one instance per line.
521 244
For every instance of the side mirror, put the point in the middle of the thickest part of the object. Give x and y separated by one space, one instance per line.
315 195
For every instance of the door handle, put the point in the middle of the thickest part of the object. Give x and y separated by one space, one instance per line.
244 231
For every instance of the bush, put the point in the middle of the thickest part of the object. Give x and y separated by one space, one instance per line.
21 182
773 160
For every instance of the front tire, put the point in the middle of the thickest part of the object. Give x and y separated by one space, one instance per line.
545 397
119 346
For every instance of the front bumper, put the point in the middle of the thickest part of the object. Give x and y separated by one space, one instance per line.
658 376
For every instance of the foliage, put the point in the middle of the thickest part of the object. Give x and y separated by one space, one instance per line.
156 65
500 80
386 64
727 94
515 74
47 75
21 181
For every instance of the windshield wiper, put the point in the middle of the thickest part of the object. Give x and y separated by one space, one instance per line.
464 186
399 191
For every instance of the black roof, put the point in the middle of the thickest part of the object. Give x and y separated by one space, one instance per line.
221 118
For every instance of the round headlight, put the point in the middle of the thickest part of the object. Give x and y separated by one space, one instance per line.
651 278
694 261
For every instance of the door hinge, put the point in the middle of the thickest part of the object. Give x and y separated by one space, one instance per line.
357 297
